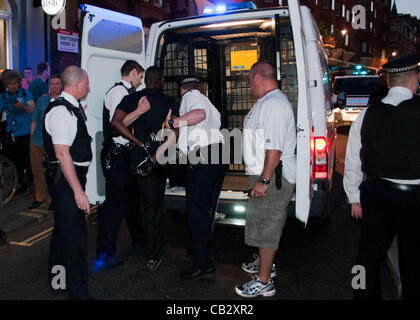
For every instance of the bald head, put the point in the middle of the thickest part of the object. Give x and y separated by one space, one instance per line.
72 75
76 82
265 69
407 79
262 78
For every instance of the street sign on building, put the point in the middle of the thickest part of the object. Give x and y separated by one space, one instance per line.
67 41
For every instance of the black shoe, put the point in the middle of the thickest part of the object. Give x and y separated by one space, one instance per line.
36 204
194 273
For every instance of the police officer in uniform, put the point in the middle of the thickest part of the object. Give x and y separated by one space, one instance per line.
68 155
390 192
200 138
120 184
145 135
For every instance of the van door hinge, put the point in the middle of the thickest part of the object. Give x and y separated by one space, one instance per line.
313 83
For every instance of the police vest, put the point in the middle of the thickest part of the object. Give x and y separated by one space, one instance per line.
390 139
80 150
108 130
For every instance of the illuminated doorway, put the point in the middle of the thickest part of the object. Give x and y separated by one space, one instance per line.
5 35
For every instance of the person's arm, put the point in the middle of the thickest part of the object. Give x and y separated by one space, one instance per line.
189 119
271 161
353 175
33 126
29 108
62 153
142 108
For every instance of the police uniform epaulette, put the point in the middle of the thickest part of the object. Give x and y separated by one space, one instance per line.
403 64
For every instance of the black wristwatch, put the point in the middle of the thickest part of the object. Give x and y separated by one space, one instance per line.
171 123
264 181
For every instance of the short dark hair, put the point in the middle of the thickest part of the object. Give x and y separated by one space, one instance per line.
128 66
56 76
41 67
153 76
28 68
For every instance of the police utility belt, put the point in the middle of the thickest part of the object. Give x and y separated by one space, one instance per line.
396 186
115 151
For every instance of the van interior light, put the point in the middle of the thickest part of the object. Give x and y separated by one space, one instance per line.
231 24
239 209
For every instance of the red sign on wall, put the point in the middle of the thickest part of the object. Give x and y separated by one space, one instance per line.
67 41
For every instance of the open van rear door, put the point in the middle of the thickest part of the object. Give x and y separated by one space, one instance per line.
304 192
108 39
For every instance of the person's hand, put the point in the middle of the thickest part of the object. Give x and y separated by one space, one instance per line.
168 117
19 105
259 190
82 201
356 210
143 105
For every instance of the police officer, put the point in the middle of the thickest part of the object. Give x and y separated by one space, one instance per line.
146 128
390 191
120 184
201 140
68 154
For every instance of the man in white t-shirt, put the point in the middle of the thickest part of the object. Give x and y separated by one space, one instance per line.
67 145
269 142
201 140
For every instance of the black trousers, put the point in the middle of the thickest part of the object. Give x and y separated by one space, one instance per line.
388 212
151 190
121 199
69 238
204 182
18 152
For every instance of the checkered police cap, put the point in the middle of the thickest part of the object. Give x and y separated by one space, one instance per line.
189 79
403 64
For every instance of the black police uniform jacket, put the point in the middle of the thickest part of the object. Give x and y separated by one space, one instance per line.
390 137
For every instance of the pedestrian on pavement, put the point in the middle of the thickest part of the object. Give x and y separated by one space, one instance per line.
36 149
18 105
200 139
269 154
382 160
68 151
39 86
146 128
29 77
120 184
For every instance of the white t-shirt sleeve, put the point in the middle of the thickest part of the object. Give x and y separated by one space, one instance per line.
353 175
59 123
275 120
193 102
113 99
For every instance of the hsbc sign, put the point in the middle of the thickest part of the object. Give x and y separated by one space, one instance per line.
53 7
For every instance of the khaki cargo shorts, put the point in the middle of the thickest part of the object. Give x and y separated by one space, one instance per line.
266 216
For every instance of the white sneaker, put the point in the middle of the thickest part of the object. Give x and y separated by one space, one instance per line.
253 267
255 288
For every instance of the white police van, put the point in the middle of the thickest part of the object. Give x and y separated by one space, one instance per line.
220 47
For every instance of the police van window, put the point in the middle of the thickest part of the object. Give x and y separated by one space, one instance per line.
221 54
113 35
356 85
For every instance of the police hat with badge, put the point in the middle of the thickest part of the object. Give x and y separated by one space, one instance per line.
404 64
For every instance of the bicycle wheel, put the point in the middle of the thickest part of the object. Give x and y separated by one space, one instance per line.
9 179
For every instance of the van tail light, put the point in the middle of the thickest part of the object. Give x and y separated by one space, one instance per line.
319 149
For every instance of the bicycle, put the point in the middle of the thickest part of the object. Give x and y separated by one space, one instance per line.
8 177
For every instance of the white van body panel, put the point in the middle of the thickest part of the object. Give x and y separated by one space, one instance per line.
103 67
